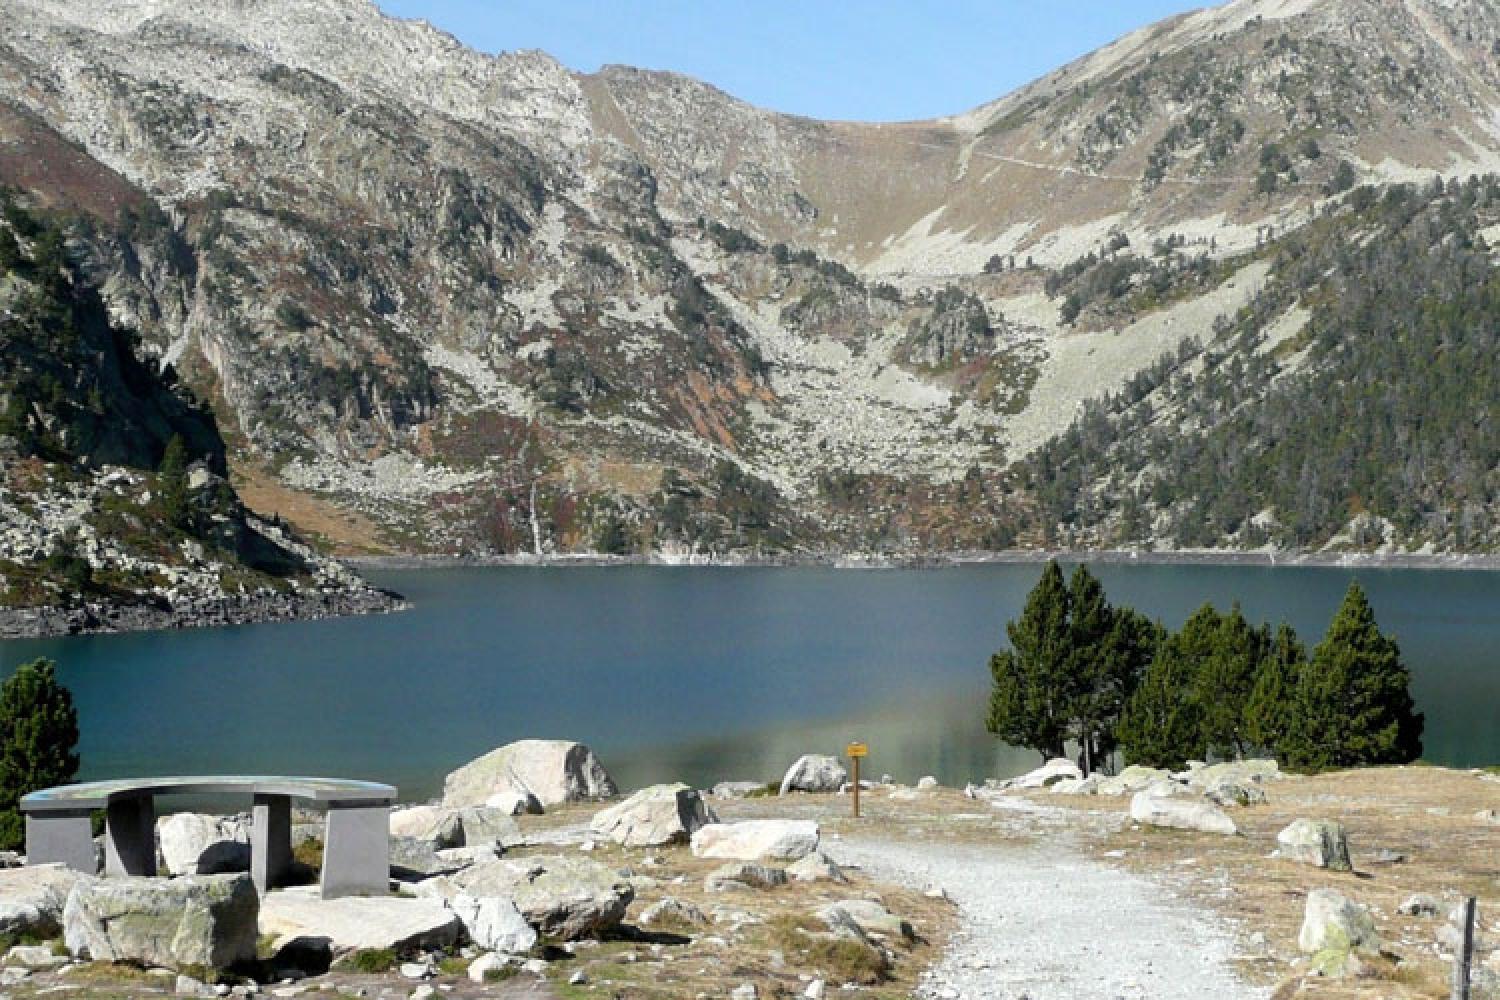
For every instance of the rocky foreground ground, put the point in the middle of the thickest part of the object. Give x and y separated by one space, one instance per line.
532 877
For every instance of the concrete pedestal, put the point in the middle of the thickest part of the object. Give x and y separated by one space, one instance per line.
270 841
130 837
357 850
65 838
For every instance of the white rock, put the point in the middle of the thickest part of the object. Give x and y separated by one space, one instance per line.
1055 770
439 826
735 789
816 867
672 911
1180 813
744 991
927 783
814 773
1242 772
31 900
1321 843
578 978
1134 778
494 923
755 840
815 990
357 923
197 844
34 956
872 918
196 920
481 968
515 802
552 771
415 970
660 814
1076 786
562 896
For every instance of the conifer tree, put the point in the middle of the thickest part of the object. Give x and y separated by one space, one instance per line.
1229 652
1162 725
1353 704
1029 696
38 731
1268 712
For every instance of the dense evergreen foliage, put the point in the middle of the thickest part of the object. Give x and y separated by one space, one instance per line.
1082 673
38 731
1375 424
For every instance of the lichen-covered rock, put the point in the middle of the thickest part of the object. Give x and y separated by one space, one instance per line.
816 867
872 919
1335 931
660 814
757 840
814 773
550 771
485 826
436 825
1132 779
1055 770
1241 772
1235 793
670 912
197 844
198 920
1321 843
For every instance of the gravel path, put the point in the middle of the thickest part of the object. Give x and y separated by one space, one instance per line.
1040 921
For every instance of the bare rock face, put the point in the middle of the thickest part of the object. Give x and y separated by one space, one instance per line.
1321 843
661 814
198 920
757 840
814 773
494 923
550 771
441 827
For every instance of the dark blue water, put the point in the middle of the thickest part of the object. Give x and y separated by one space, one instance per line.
692 674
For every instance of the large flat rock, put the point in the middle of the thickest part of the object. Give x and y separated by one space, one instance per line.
356 923
193 921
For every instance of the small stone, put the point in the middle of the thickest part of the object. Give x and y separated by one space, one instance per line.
578 978
927 783
423 992
1420 905
223 989
535 966
187 986
815 990
744 991
415 970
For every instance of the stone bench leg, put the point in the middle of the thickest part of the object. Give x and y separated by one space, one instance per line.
270 841
130 837
357 850
62 838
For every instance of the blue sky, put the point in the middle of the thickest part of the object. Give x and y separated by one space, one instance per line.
868 60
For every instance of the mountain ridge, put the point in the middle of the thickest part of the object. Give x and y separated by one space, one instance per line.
493 305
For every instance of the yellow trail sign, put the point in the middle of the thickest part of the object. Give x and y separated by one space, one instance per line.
857 749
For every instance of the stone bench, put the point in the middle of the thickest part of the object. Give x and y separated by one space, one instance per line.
356 836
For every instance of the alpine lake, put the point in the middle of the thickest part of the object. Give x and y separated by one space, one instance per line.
691 674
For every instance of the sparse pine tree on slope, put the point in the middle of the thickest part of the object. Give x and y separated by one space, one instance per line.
1268 713
1028 702
38 731
1353 704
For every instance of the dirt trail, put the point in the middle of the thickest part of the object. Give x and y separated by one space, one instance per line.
1041 921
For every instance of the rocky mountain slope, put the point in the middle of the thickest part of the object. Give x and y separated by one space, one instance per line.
483 304
114 509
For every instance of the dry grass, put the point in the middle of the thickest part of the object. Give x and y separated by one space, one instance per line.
343 532
1426 814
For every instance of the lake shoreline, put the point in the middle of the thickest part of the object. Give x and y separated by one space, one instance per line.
943 560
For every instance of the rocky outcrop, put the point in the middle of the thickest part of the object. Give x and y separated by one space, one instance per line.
1132 779
359 923
816 867
669 912
1055 770
814 773
550 771
1321 843
757 840
444 827
654 816
1156 806
873 919
197 844
204 921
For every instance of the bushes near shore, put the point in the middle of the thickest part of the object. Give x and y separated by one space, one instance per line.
1083 672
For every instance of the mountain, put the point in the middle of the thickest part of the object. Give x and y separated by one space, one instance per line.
114 509
447 302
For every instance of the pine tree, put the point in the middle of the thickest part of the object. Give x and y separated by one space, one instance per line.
1162 725
172 483
1230 652
38 731
1268 712
1353 704
1028 701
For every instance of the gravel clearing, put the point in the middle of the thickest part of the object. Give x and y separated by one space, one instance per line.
1041 921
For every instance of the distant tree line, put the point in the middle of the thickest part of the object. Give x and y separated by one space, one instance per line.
1081 672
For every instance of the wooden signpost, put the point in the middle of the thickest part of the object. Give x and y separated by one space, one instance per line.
856 750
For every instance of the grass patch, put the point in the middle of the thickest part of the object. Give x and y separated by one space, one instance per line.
371 961
840 959
453 965
309 853
499 975
769 790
